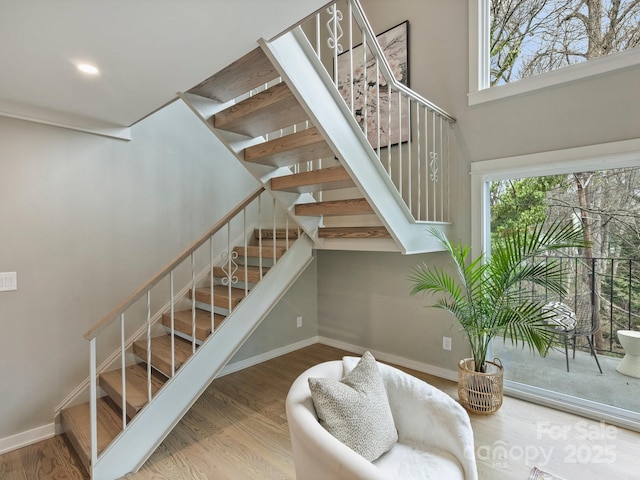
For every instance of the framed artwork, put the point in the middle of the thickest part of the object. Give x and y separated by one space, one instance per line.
371 94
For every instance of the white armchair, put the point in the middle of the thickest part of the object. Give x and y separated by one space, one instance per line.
435 440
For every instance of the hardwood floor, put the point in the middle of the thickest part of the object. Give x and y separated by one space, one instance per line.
238 430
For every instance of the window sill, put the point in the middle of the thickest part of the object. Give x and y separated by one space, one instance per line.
578 71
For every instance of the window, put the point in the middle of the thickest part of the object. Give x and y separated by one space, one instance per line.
523 45
510 188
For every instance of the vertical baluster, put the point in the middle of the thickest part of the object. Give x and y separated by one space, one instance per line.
364 85
400 183
442 179
274 230
418 154
123 361
229 265
427 158
435 162
351 56
246 267
378 106
211 285
260 234
286 231
318 34
335 43
193 303
409 160
446 184
93 406
389 93
149 344
173 324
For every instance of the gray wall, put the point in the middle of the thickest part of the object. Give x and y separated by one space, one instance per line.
363 298
84 220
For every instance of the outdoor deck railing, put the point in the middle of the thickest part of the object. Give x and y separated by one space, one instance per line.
611 285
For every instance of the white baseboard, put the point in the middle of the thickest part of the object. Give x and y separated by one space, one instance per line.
389 358
29 437
263 357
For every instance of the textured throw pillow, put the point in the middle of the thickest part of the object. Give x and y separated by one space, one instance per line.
565 317
356 410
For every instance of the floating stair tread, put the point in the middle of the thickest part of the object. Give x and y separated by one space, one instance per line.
354 206
137 389
243 75
220 295
331 178
76 422
251 274
266 112
281 234
161 352
267 251
183 318
291 149
353 232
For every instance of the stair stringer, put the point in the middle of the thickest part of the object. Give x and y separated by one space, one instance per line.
145 432
307 78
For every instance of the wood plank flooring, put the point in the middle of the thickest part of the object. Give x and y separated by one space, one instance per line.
238 430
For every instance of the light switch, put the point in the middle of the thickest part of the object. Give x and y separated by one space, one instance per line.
8 281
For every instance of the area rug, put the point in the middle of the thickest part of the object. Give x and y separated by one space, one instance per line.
537 474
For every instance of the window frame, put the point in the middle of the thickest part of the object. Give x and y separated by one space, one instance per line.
479 63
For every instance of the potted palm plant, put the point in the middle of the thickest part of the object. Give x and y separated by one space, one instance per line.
491 296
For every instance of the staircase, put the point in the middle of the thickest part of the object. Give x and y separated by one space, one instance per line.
283 163
164 368
279 113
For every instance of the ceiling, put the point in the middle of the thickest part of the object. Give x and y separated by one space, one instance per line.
146 50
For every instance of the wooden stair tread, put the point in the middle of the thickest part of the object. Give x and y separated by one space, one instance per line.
266 112
249 273
281 234
161 352
354 206
331 178
295 148
220 295
183 318
137 389
76 422
267 251
243 75
353 232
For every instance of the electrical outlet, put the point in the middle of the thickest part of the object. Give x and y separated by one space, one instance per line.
446 343
299 322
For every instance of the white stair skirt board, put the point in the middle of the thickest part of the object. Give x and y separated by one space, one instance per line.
146 431
295 59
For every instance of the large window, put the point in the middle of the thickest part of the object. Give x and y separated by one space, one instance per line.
524 39
599 187
531 37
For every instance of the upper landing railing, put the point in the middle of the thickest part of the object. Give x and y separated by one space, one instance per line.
408 133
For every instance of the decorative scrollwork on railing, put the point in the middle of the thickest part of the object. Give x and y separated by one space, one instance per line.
433 165
335 17
232 266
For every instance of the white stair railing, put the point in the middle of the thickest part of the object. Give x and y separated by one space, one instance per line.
167 288
408 133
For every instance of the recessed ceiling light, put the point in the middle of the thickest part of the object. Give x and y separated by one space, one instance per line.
88 68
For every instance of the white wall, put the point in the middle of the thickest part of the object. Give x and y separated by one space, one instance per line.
84 220
364 298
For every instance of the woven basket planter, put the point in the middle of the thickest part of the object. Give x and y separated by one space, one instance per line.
480 392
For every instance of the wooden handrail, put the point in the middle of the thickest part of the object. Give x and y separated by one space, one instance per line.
140 291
